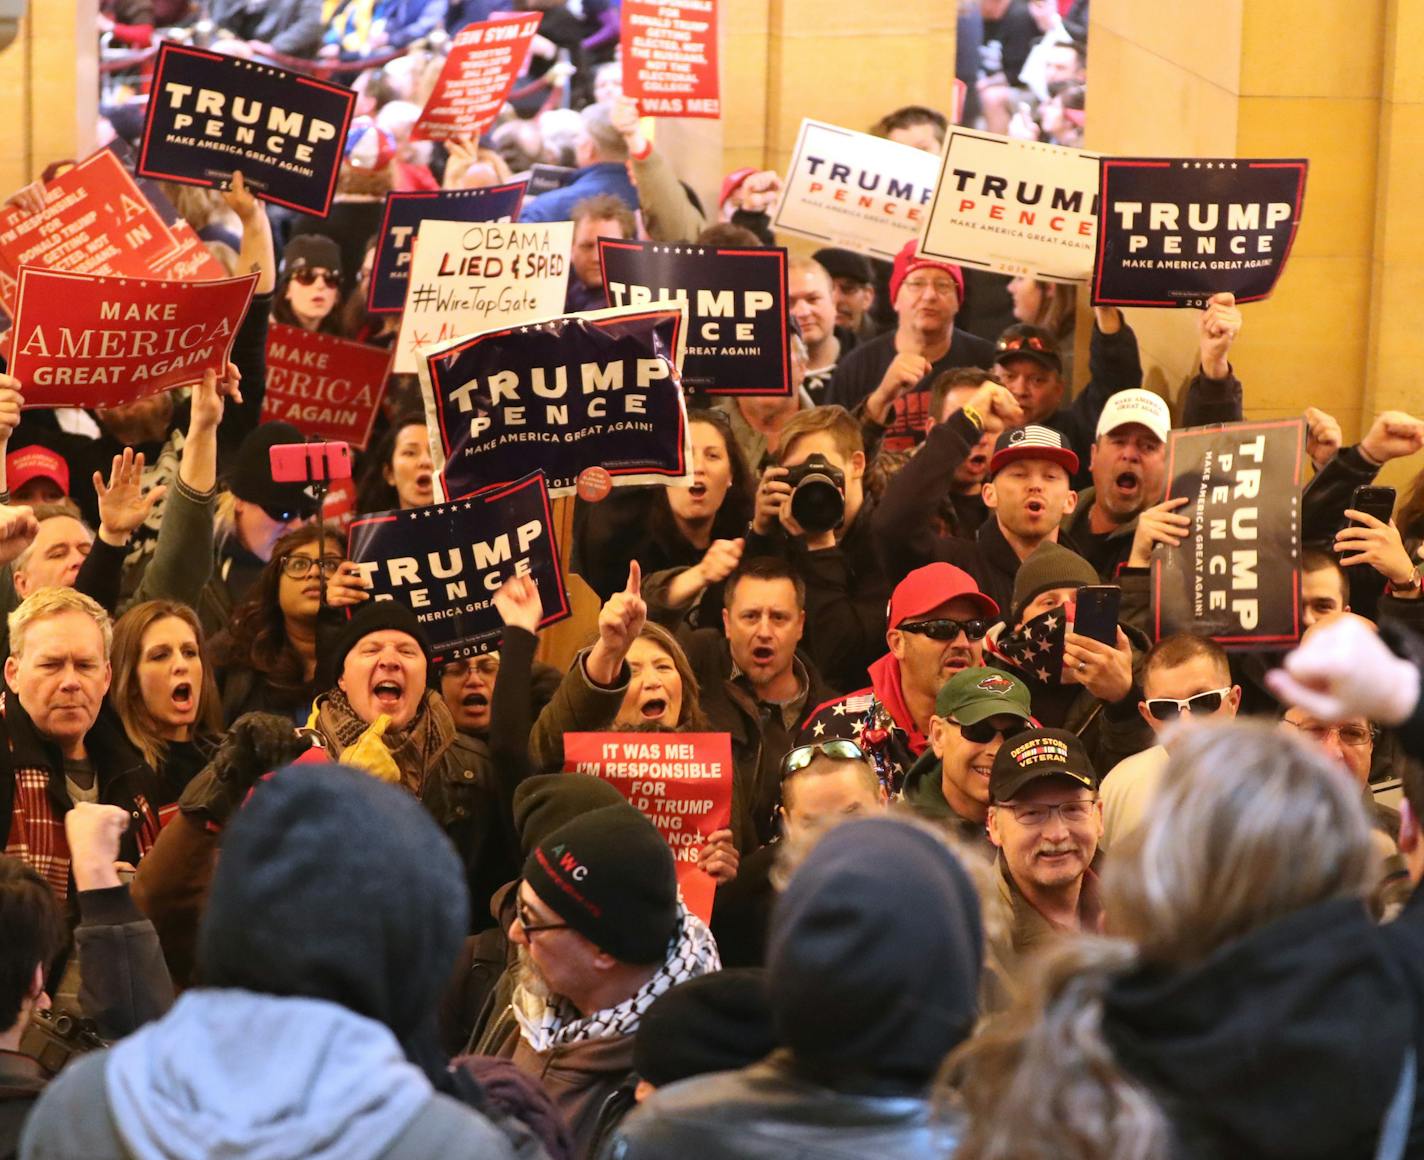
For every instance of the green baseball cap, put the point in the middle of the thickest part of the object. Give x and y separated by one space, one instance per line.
972 695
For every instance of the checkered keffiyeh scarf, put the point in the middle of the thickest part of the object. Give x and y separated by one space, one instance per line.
547 1024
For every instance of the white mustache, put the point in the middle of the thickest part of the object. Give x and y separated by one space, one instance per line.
1048 851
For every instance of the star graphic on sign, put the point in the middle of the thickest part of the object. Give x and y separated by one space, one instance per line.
819 729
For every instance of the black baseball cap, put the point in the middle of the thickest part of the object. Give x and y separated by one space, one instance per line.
251 476
1039 753
1025 341
845 264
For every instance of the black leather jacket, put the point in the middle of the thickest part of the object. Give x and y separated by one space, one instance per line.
769 1111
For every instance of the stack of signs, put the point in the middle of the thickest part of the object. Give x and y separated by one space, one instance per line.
737 333
670 57
211 114
86 341
390 271
326 387
467 277
447 561
850 189
1175 232
682 782
478 74
592 390
1236 575
95 221
1014 207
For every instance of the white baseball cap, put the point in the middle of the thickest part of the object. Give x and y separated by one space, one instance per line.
1136 406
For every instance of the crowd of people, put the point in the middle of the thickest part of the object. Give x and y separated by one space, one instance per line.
277 883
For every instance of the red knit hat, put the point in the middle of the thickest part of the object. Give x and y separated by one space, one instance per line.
908 260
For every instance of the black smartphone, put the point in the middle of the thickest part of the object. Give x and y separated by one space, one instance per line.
1374 501
1096 613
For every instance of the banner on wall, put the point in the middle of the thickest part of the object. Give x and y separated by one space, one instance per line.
210 114
681 782
595 390
737 331
85 341
324 386
670 57
446 561
1014 207
1236 575
854 190
471 276
477 76
404 212
1175 232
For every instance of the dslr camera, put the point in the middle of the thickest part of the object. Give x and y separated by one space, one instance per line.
817 494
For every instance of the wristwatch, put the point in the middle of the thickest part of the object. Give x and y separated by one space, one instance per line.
1410 585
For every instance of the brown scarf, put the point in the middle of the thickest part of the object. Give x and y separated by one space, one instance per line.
415 749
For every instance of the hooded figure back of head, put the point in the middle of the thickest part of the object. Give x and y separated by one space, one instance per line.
333 885
874 957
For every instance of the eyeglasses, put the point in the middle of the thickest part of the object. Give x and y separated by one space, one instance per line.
529 927
1020 341
985 731
1168 708
1353 736
943 628
487 666
1073 813
300 567
942 287
307 275
802 756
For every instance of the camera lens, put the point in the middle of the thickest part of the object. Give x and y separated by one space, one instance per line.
817 503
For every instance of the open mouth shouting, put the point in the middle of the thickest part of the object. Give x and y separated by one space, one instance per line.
184 698
424 481
387 693
1128 483
763 654
1035 508
653 708
698 491
954 661
475 701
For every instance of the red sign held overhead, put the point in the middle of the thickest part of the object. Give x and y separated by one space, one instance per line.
670 57
85 341
681 781
478 74
324 386
96 220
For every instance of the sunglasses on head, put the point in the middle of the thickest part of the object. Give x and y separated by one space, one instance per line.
1169 708
943 628
802 756
985 731
1032 341
308 275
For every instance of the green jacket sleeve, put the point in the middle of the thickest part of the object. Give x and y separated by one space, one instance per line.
668 213
578 706
182 561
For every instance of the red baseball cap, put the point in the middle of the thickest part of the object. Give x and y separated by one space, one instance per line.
909 259
929 587
36 462
1032 442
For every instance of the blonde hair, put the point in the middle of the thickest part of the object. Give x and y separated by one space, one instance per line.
1219 856
53 601
835 421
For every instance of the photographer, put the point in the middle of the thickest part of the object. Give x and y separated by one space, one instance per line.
813 511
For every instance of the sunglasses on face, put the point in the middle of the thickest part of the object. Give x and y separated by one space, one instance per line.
307 276
802 756
300 567
1169 708
982 732
944 628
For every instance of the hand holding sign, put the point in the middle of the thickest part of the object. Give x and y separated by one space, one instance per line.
619 622
18 529
719 858
210 397
518 604
1377 544
1322 437
1393 435
123 506
1158 525
238 198
1219 325
10 403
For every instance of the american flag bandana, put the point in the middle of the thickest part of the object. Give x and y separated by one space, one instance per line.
1035 647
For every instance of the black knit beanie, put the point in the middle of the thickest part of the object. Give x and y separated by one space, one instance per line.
716 1022
333 885
1048 566
611 877
375 616
542 804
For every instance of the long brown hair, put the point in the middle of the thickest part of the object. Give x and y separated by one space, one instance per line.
1218 856
126 694
258 637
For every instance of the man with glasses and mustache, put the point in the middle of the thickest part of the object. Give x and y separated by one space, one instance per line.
1185 679
1046 820
976 713
937 622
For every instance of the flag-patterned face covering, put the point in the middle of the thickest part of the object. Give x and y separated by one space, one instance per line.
1035 647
